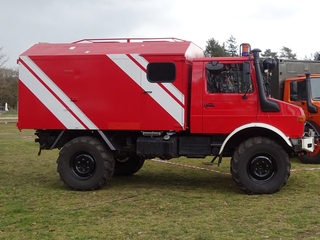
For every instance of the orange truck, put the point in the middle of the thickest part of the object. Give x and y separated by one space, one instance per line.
298 82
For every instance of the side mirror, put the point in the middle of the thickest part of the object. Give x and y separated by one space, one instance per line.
246 73
214 66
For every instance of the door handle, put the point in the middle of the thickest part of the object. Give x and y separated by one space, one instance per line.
208 105
147 91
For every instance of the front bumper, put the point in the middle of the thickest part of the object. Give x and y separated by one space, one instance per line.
306 143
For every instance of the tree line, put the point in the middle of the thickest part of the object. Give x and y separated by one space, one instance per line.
8 84
9 76
231 48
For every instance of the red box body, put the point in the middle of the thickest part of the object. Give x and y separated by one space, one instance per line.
103 85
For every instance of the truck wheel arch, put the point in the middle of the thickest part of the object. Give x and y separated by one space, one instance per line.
312 125
263 127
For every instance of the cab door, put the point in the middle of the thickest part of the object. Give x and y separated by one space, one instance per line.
226 108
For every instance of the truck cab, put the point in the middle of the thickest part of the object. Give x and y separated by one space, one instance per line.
231 96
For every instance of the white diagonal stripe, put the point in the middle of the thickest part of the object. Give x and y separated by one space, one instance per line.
175 91
54 105
158 93
44 96
169 86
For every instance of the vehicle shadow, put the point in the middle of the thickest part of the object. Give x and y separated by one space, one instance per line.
186 179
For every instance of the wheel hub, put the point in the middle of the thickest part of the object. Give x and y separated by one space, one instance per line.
83 165
261 168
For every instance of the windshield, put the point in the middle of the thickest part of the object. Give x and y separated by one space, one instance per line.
315 88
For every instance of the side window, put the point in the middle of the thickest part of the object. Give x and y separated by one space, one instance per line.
300 91
228 79
315 88
161 72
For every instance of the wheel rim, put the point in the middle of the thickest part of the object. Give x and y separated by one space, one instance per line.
83 165
262 168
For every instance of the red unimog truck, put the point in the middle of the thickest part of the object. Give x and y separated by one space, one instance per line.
298 82
109 104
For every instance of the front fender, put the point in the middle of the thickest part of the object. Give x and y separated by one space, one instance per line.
260 125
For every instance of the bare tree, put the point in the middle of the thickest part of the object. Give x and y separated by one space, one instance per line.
3 58
313 57
8 83
9 87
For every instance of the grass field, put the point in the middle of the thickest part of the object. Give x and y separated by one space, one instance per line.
162 201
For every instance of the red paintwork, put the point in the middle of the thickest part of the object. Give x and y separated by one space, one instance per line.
111 100
31 111
102 90
230 111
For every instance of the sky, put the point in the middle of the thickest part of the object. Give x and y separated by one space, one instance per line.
265 25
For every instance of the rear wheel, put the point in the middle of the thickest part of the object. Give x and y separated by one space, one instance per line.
260 166
128 166
85 164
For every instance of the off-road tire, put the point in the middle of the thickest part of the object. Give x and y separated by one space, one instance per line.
128 166
260 166
84 163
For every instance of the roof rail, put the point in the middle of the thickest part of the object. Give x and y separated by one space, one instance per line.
112 40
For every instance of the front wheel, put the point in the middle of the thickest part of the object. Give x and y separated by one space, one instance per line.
260 166
85 164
